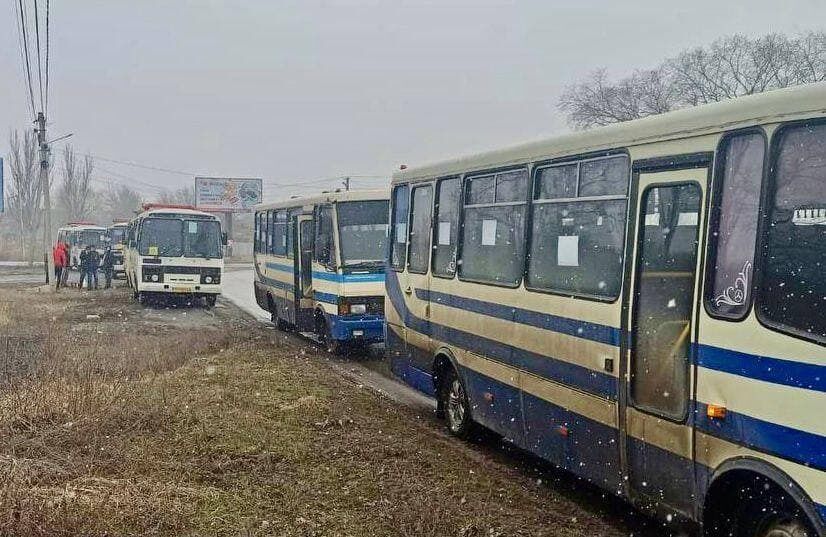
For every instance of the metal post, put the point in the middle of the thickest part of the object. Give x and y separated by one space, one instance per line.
346 183
44 181
229 234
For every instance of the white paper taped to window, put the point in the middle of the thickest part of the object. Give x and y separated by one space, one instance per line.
488 232
652 219
567 251
444 233
283 240
401 232
193 227
687 219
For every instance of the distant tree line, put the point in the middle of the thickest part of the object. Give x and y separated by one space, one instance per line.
79 193
729 67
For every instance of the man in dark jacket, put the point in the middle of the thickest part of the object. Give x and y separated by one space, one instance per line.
108 266
83 265
93 266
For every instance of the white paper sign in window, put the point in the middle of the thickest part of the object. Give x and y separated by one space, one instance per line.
193 227
401 232
652 219
567 251
488 232
687 219
444 233
283 240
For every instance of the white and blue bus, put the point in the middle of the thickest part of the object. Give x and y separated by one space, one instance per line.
642 304
319 265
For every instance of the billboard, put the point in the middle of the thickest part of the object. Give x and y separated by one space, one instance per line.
226 194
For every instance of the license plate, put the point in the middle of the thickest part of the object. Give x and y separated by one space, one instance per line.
181 289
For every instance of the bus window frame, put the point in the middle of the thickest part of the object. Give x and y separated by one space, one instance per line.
769 188
409 186
567 160
429 252
460 239
437 188
713 219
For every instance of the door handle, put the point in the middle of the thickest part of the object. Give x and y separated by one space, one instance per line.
408 290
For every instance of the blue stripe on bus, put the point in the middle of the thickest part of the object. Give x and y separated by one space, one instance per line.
329 298
331 276
785 442
774 370
564 325
580 377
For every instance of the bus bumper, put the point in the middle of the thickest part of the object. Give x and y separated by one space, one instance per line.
361 328
182 288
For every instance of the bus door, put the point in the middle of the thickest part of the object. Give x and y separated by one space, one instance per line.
415 281
660 307
303 231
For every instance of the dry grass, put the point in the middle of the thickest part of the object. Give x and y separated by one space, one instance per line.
222 427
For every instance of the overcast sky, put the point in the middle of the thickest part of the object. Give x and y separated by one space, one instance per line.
294 91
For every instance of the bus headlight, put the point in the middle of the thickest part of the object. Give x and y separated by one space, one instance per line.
358 309
207 279
154 277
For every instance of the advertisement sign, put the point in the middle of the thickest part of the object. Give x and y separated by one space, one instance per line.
226 194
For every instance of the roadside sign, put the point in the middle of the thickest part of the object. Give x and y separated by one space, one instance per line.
227 194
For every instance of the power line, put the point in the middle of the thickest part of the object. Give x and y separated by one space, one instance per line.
27 63
46 109
39 55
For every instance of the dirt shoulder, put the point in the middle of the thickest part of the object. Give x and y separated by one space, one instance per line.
118 420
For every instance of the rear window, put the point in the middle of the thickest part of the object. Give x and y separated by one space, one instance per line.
793 284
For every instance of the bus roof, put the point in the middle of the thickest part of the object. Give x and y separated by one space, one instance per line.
769 107
327 197
81 226
168 211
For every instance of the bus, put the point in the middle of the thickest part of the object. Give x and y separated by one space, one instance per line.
117 239
643 305
174 250
78 235
319 266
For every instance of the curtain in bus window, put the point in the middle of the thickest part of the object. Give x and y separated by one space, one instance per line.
420 229
492 244
162 237
446 229
398 247
793 286
577 247
735 214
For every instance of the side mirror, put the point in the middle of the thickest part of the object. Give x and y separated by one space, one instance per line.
224 238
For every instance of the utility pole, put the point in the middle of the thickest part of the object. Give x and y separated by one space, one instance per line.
346 183
44 181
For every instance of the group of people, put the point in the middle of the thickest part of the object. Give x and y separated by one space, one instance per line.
89 262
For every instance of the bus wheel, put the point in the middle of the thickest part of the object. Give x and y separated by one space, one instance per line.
209 300
454 400
142 298
790 528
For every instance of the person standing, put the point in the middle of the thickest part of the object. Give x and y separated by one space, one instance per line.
83 264
68 263
93 266
108 266
59 264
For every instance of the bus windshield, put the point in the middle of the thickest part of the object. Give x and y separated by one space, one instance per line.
95 239
162 237
117 235
202 238
362 232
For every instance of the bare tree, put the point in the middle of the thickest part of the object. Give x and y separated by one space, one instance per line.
76 195
729 67
25 189
119 202
183 196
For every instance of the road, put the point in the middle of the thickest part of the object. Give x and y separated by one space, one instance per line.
237 288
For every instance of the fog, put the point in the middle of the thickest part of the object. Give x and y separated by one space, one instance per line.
301 91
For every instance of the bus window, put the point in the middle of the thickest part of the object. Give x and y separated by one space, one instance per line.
420 223
792 287
663 299
202 238
734 216
324 236
362 233
279 233
288 234
446 229
398 233
161 237
493 233
578 228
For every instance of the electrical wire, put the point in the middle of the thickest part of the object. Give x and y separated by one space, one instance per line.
39 55
25 36
46 108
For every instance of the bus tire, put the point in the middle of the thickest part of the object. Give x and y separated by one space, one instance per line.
453 399
209 301
142 298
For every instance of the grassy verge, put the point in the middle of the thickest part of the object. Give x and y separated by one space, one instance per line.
191 422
